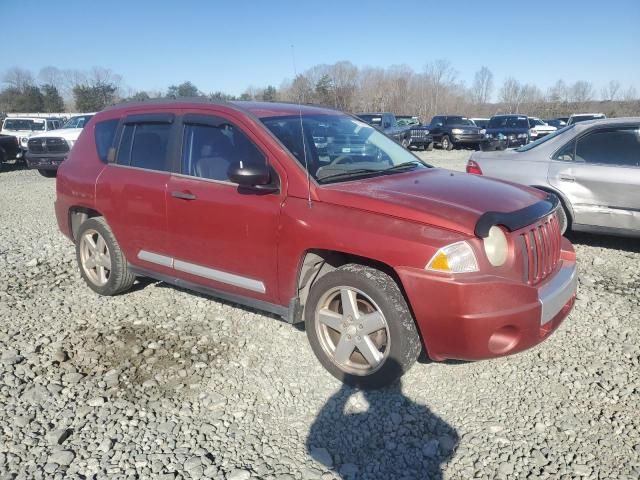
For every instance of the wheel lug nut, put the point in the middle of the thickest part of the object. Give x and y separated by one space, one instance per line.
348 337
358 338
360 327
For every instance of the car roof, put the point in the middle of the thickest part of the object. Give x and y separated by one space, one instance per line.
607 121
259 109
586 114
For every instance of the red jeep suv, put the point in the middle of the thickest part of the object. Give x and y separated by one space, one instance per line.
314 215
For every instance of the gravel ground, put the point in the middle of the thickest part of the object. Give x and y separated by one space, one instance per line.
162 383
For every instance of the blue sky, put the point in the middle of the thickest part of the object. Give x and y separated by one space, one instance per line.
229 45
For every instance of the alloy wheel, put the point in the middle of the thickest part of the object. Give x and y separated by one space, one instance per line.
95 257
352 330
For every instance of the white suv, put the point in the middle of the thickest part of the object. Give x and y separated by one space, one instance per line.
582 117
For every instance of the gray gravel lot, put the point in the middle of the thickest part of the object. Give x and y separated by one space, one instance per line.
162 383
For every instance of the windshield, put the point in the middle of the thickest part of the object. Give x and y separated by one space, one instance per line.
23 124
339 147
541 140
508 122
480 122
536 122
460 121
77 122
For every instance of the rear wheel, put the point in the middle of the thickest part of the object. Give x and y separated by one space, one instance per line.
360 327
102 263
446 143
48 173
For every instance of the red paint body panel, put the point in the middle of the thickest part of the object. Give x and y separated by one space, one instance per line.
399 220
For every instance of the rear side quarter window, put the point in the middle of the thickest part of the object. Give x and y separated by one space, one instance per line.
145 145
104 134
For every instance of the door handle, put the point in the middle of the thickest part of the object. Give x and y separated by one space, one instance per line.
567 178
183 195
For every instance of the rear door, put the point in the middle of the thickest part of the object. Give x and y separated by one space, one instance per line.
222 236
600 173
130 191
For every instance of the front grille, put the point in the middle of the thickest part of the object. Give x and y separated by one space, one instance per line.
541 249
48 145
418 133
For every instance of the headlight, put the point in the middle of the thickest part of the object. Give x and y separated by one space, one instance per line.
426 132
455 258
456 131
482 131
71 142
24 141
496 246
522 135
488 135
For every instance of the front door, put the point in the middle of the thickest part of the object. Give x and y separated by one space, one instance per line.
600 174
222 236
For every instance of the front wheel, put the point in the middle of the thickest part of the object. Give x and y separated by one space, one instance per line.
48 173
406 142
446 143
360 327
563 219
429 147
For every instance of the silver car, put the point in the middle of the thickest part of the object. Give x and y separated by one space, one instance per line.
593 166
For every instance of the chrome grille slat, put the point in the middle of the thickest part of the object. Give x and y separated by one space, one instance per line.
540 249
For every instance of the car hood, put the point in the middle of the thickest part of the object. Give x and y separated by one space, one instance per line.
506 130
66 133
447 199
467 127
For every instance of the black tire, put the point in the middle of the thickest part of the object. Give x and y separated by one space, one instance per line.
404 343
429 147
48 173
406 142
120 278
446 143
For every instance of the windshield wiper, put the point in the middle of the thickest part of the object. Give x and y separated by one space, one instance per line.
349 173
410 165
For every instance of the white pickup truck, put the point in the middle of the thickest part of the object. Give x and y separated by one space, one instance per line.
46 150
24 127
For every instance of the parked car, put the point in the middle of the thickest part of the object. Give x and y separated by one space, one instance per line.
9 148
23 127
506 131
407 120
480 122
380 256
592 166
46 151
453 131
583 117
421 137
538 128
387 123
557 122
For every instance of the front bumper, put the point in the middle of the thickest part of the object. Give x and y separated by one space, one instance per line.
467 138
45 161
484 316
423 141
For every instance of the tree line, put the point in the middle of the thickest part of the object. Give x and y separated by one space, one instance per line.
436 89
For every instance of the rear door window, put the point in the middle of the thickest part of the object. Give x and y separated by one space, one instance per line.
145 145
611 146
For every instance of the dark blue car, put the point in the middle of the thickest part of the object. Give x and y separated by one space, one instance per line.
507 131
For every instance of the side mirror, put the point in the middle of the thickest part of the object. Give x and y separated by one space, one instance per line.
255 177
386 125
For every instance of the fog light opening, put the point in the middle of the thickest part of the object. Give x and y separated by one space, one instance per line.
504 339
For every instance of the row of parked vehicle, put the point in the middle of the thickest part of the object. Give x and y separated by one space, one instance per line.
456 131
42 142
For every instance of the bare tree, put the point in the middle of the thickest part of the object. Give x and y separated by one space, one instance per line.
51 75
482 86
18 78
511 94
581 92
630 94
440 75
611 90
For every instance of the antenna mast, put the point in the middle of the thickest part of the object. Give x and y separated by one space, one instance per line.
304 143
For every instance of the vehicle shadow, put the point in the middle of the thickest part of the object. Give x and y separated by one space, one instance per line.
605 241
380 434
12 166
